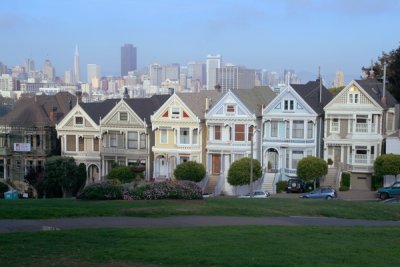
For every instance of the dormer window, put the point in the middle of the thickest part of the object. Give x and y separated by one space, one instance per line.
175 113
230 108
79 121
288 105
123 116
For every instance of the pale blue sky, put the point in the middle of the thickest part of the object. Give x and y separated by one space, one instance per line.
300 35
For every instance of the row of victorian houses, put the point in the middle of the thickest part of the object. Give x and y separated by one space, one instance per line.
212 128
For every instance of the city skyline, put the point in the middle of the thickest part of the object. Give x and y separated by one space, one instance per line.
299 35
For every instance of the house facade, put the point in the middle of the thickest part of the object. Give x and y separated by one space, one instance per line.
357 122
179 131
234 125
292 129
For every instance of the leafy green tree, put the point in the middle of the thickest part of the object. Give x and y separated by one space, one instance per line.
239 172
124 174
392 71
63 175
191 171
388 164
311 168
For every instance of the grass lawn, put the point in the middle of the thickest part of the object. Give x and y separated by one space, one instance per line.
205 246
224 206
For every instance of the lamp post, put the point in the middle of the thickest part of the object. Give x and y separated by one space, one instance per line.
251 161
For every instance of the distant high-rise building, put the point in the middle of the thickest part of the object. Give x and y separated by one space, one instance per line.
48 70
290 77
232 77
213 63
128 59
197 72
93 75
171 72
68 77
339 79
29 65
3 68
77 76
155 73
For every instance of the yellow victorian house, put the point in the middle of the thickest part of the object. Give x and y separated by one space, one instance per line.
180 131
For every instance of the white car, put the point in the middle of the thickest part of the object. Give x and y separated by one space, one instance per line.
257 194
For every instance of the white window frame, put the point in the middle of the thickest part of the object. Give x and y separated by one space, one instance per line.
288 105
195 136
230 106
183 136
163 136
310 130
175 112
142 141
131 139
354 98
297 130
79 124
113 140
274 128
335 128
123 116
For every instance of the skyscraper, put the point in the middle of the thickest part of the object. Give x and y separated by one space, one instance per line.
213 62
339 79
77 77
48 70
231 77
128 59
93 75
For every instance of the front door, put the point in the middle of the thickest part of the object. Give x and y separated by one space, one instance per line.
216 164
337 156
163 167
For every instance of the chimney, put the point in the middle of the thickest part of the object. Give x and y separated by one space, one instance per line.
207 106
218 88
53 114
171 91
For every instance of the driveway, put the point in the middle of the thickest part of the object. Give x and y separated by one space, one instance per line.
178 221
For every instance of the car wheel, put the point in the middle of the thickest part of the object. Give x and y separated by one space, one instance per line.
383 196
329 197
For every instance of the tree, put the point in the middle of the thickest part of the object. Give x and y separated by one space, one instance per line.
124 174
239 172
311 168
392 71
63 175
35 178
191 171
388 164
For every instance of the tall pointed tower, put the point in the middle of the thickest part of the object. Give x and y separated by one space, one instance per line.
77 78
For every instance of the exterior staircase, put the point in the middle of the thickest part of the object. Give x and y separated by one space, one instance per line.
211 184
268 184
330 178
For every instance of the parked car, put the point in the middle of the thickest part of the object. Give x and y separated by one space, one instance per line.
322 193
392 201
389 191
257 194
295 185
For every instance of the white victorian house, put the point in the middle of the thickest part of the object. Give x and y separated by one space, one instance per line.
233 122
357 122
292 129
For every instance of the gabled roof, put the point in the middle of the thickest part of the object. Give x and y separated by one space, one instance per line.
36 111
310 92
256 98
98 110
375 89
197 101
145 107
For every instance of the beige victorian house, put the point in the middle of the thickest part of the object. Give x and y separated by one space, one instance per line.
179 131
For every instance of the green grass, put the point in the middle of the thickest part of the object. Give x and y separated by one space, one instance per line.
205 246
224 206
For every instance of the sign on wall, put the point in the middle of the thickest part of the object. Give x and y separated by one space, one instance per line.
22 147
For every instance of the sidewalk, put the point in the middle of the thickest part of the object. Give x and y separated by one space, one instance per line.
345 195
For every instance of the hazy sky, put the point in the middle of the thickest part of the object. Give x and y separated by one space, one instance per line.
296 34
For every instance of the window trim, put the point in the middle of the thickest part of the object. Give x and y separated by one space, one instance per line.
123 116
76 121
163 132
288 105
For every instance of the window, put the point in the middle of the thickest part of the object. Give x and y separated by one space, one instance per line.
230 108
353 98
71 143
143 141
195 136
298 129
287 129
96 144
296 157
288 105
81 143
239 132
361 118
123 116
113 140
335 125
372 150
217 132
163 136
37 140
175 113
184 136
274 129
310 129
132 140
78 120
250 133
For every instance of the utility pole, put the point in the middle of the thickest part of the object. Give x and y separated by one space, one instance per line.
251 163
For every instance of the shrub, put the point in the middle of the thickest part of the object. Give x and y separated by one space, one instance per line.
345 181
311 168
376 182
239 171
281 186
3 189
101 191
165 190
330 161
123 173
343 188
191 171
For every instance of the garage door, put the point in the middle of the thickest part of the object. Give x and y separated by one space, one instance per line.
360 181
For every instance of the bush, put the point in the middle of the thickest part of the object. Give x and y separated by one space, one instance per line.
101 191
376 182
239 171
345 181
165 190
343 188
330 161
123 173
191 171
281 186
3 189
